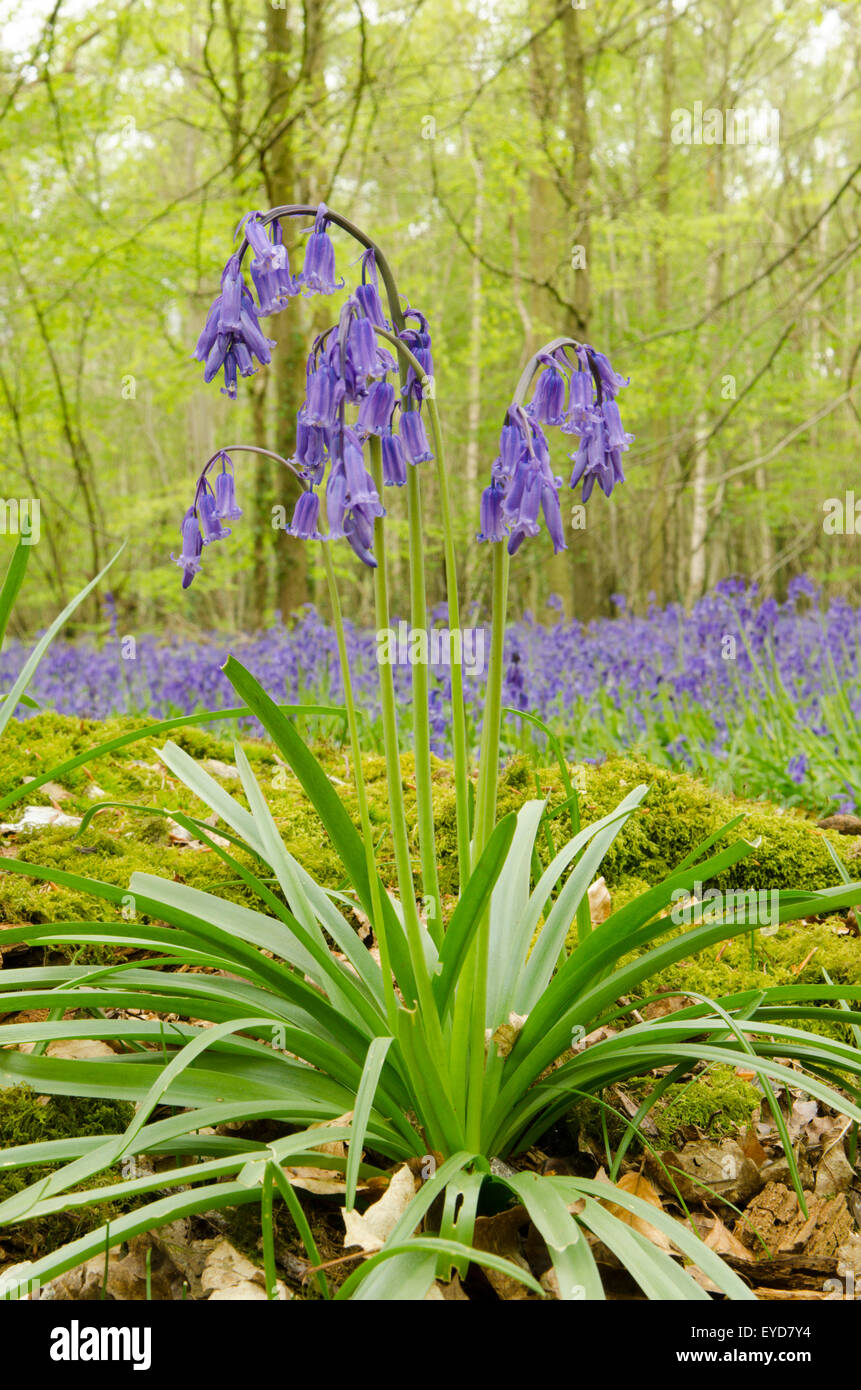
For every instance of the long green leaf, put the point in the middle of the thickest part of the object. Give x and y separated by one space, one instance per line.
467 916
9 705
326 802
12 582
361 1111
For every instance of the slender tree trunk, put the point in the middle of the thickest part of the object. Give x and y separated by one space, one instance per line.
288 362
658 567
472 458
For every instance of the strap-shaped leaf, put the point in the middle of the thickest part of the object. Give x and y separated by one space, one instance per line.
10 702
344 836
576 1271
467 916
361 1111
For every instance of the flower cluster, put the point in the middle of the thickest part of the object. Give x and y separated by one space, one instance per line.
201 524
347 367
578 398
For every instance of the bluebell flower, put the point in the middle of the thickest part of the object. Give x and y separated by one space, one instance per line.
305 516
323 396
582 386
523 517
267 254
611 381
226 506
847 805
513 444
801 584
361 488
311 446
553 515
367 294
414 438
796 769
548 405
192 548
210 522
595 460
617 438
336 503
232 285
394 463
418 340
492 520
318 272
375 411
359 531
270 268
232 336
362 348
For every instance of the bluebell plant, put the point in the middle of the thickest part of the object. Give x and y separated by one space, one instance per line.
460 1044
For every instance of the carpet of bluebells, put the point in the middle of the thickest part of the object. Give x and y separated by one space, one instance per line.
758 697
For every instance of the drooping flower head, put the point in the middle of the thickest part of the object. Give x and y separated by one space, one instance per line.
192 547
226 506
578 398
232 336
270 268
347 370
318 273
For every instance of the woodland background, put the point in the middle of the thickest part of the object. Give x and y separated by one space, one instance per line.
481 144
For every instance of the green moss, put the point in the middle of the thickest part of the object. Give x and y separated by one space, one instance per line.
718 1102
677 814
27 1118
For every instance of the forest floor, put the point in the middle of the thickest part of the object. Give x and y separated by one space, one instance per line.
709 1152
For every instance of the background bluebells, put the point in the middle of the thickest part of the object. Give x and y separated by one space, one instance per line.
759 697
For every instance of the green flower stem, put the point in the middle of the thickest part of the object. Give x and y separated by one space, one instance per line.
485 809
359 778
485 820
397 813
488 773
421 718
458 710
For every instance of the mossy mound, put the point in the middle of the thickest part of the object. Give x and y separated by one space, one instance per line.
716 1104
28 1118
678 813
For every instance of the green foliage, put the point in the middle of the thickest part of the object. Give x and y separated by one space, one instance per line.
28 1118
717 1102
298 1035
